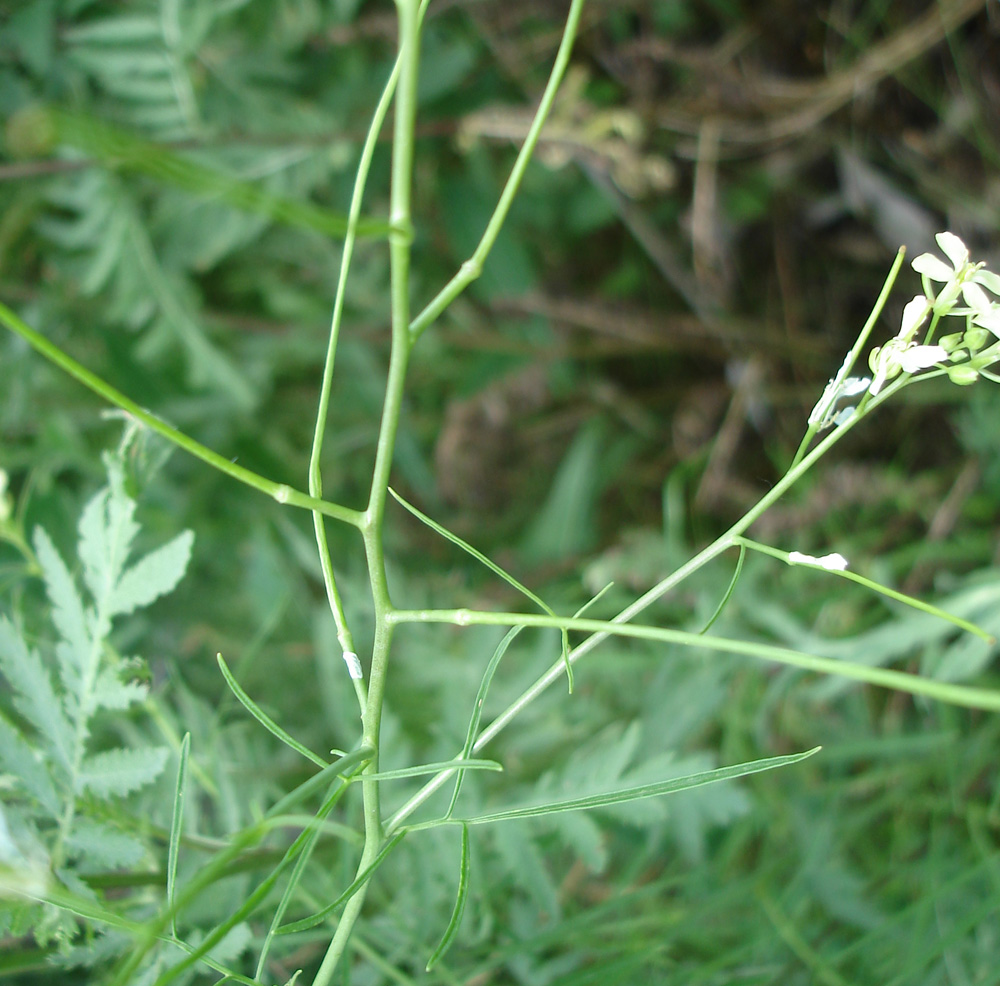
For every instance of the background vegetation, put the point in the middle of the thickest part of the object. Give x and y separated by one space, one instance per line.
709 220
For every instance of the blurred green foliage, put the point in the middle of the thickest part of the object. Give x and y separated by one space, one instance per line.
584 412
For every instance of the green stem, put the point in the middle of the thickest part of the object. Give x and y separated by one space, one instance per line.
278 491
315 467
964 695
859 344
473 267
400 242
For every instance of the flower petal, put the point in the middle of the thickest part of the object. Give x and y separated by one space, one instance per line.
934 268
914 314
920 357
989 320
953 248
976 297
988 280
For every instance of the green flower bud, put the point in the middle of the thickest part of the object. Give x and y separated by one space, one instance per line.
963 375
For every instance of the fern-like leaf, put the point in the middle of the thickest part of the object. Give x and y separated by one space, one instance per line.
34 695
120 771
153 576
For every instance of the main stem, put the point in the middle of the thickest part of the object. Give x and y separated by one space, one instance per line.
400 241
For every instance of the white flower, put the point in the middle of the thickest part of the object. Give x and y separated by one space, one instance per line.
823 414
936 269
962 277
897 356
914 314
921 357
832 563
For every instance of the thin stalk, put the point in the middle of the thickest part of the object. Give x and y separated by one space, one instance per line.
859 344
278 491
344 635
473 267
399 257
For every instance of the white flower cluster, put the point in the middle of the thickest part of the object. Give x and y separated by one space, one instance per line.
963 355
963 279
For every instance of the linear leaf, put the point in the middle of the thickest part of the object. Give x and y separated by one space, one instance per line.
477 710
264 719
631 793
121 771
152 576
431 768
493 567
176 827
360 880
460 898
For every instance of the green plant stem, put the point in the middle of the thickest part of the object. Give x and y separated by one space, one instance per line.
973 698
344 635
400 241
278 491
859 344
473 267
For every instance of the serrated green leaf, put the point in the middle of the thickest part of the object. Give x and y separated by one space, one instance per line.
110 692
101 847
152 576
118 772
17 757
68 612
35 697
107 530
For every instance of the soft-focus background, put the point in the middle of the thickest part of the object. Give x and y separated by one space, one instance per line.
720 194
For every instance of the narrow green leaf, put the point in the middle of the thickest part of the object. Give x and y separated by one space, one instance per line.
264 719
632 793
176 827
362 878
882 590
732 586
477 710
493 567
431 768
460 898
